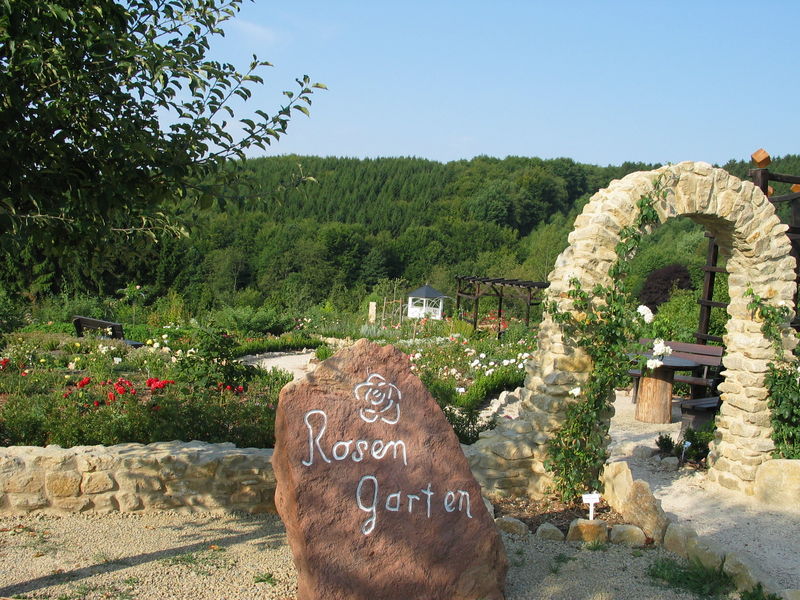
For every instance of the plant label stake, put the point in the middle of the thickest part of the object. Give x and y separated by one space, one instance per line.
591 500
683 452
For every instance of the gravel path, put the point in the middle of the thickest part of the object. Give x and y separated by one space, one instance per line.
203 557
768 535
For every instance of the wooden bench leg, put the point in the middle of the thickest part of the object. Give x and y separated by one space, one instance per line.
635 390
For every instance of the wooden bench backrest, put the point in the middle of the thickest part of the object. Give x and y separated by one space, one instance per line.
84 323
699 353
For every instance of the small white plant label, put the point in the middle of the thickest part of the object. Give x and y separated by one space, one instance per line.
591 500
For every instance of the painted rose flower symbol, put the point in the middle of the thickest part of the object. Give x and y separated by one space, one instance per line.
382 397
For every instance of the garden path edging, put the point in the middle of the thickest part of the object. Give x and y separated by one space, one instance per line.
633 499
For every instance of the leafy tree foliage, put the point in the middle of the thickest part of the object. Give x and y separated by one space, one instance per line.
84 88
363 223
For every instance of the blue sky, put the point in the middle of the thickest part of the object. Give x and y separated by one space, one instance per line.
599 82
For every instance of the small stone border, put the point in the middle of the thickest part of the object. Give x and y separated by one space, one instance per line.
648 523
636 503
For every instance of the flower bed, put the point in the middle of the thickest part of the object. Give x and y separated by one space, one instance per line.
56 390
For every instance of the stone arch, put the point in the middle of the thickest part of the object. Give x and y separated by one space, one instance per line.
509 459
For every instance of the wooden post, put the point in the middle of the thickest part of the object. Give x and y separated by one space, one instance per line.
458 298
475 313
654 402
528 308
500 313
761 179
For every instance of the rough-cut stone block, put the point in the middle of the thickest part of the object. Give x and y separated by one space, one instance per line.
643 452
777 482
104 503
130 481
584 530
27 502
548 531
97 482
61 484
375 493
641 508
744 572
707 552
25 483
51 459
128 502
617 484
676 538
247 495
512 526
669 463
630 535
160 502
72 505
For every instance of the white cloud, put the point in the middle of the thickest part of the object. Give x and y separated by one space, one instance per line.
254 32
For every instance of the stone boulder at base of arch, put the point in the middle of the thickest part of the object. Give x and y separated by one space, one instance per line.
376 495
510 458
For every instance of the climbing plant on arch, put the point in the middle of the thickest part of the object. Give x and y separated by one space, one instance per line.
510 458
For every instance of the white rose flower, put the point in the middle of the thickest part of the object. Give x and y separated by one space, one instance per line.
660 348
654 363
575 392
117 360
646 313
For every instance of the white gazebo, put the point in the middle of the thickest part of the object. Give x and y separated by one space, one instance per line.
425 302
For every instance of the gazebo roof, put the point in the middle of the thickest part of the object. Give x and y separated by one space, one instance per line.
426 291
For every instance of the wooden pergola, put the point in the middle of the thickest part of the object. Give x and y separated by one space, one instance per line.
475 288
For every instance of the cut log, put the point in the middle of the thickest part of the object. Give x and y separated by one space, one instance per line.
654 402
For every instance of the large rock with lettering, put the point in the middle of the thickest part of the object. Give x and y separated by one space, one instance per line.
375 492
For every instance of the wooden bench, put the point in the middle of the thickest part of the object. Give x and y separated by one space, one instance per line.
703 380
108 328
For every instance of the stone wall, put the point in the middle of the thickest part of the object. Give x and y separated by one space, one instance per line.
509 459
186 477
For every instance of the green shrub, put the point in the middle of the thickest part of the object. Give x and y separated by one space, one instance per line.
784 404
11 314
704 582
465 424
758 593
501 379
24 420
443 391
62 307
249 320
324 352
698 442
286 342
213 362
665 443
